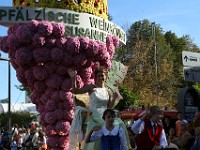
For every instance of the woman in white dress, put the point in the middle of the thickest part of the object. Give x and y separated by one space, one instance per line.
100 100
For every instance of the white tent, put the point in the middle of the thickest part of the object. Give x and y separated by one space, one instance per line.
29 107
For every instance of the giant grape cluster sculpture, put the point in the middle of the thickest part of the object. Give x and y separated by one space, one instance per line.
41 56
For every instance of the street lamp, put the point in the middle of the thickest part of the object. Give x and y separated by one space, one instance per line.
9 90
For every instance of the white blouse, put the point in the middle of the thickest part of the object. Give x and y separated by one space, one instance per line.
103 131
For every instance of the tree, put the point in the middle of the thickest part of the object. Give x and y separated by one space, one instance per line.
154 79
23 119
129 98
5 100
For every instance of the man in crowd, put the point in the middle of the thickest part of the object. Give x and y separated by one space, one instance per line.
148 129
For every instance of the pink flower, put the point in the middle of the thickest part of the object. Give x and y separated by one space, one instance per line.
93 49
13 28
14 64
111 50
40 107
24 34
42 121
106 56
109 39
62 127
3 44
67 59
69 104
55 95
32 25
65 96
23 56
50 42
52 141
64 142
61 43
54 81
58 30
84 42
115 41
68 114
107 64
79 81
66 84
38 40
28 73
88 81
50 105
41 54
62 70
102 50
50 67
13 42
40 86
56 55
40 73
44 99
20 75
35 98
59 113
50 117
80 60
73 45
49 91
50 130
66 105
45 28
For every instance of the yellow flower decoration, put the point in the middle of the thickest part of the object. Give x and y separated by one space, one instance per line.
95 7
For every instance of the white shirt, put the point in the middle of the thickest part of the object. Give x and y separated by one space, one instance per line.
103 131
138 127
35 139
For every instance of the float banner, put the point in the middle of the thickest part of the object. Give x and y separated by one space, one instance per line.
76 24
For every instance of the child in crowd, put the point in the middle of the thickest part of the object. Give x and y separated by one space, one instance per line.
112 137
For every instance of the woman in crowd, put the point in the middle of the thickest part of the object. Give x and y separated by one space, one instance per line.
167 125
42 141
185 136
172 135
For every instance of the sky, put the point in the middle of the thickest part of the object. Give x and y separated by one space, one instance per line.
179 16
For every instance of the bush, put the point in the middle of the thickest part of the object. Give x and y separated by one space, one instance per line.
129 98
21 118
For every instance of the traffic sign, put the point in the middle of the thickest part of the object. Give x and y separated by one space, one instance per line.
191 74
191 59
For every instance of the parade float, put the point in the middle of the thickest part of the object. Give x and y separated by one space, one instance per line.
46 38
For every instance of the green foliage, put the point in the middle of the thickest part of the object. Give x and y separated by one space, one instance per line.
5 100
21 118
129 98
22 88
110 18
156 81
